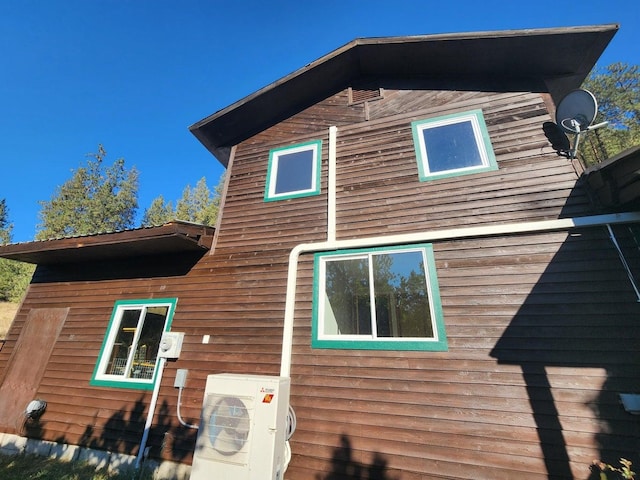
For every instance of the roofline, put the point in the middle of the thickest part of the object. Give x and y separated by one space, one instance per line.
392 40
175 236
221 151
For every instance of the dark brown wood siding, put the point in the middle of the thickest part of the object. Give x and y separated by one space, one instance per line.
519 362
541 340
77 413
378 191
525 315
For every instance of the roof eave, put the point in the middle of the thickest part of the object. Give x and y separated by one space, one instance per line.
516 55
172 237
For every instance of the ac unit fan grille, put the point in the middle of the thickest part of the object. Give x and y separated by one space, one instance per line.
227 429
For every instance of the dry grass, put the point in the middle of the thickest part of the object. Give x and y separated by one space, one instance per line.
7 312
32 467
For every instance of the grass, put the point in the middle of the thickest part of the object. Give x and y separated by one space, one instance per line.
7 312
33 467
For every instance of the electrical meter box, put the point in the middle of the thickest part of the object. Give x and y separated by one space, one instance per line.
170 345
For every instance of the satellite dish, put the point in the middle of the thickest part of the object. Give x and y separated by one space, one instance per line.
577 111
575 115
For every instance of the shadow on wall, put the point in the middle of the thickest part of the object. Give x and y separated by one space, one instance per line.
145 266
345 467
123 431
579 324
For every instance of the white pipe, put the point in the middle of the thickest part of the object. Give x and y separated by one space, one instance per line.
152 409
614 240
331 185
293 257
482 231
180 419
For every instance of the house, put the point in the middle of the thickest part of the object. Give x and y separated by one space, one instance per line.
445 292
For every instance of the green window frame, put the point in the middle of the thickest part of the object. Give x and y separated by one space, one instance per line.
453 145
294 171
129 354
384 298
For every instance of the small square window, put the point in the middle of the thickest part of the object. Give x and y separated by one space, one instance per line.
453 145
380 299
129 354
294 171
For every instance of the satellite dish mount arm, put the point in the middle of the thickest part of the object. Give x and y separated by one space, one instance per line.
576 141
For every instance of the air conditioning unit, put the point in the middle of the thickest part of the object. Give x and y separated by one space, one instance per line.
242 432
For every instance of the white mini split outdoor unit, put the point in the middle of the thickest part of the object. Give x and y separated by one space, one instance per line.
242 432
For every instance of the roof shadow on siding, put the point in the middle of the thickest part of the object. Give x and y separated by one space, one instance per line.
576 340
152 266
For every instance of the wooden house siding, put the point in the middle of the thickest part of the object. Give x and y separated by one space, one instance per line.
377 169
456 414
377 173
537 303
464 413
101 417
540 326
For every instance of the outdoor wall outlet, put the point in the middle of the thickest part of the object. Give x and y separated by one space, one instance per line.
206 338
181 378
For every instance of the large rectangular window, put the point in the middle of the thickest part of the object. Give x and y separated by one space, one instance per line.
294 171
129 354
385 299
453 145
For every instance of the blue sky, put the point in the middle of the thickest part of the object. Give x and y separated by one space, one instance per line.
132 75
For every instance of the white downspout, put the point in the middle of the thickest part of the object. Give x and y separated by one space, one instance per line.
449 234
331 185
285 367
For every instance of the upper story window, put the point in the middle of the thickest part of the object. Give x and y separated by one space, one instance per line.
384 299
294 171
129 354
453 145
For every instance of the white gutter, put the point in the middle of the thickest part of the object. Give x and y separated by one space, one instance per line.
429 236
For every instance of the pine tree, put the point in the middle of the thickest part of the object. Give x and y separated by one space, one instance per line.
617 90
5 227
159 213
198 205
14 276
95 199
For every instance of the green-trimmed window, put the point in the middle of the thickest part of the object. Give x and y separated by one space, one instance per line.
453 145
129 354
294 171
383 298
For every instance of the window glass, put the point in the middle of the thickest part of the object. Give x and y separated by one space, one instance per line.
129 354
348 307
294 171
379 299
401 295
453 145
